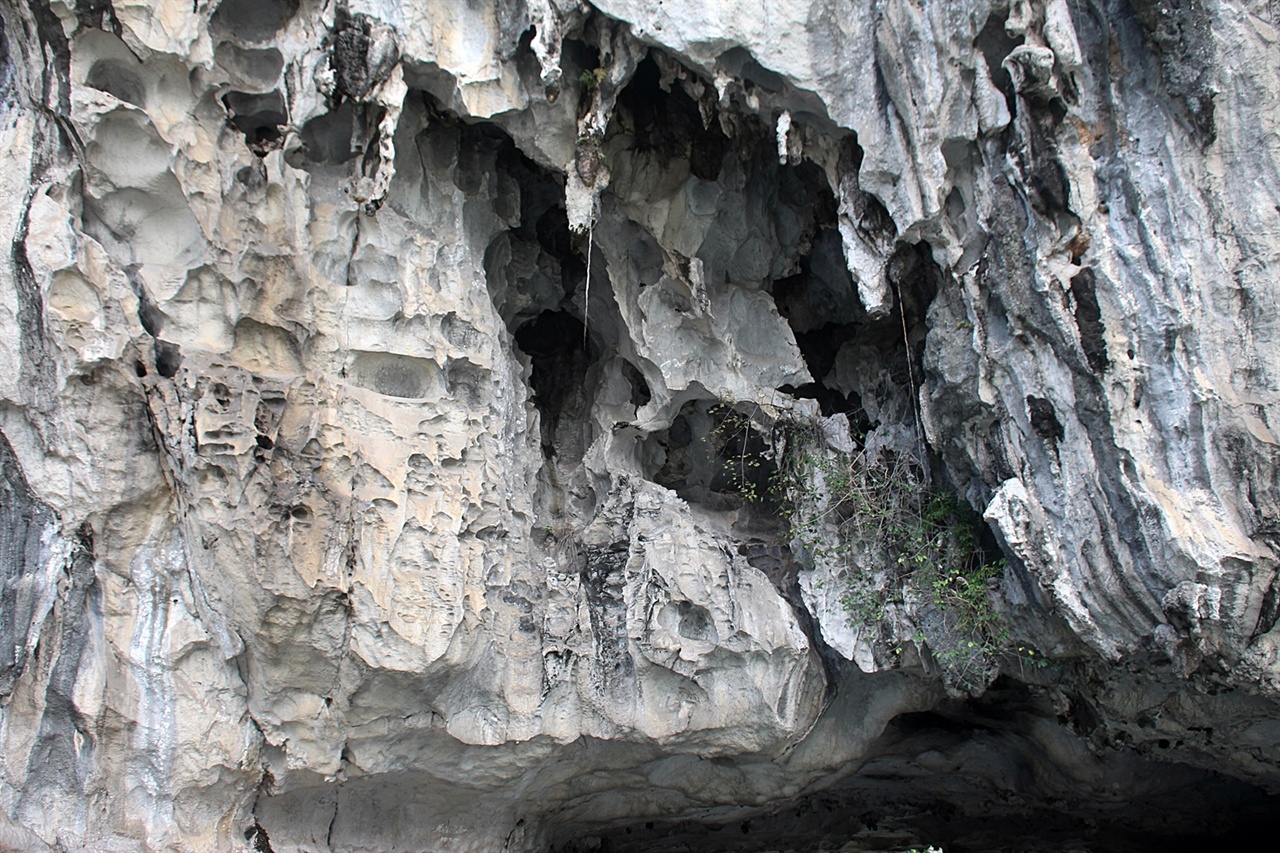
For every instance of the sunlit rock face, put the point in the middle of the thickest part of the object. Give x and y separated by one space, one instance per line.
400 404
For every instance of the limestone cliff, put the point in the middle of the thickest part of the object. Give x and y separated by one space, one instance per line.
533 424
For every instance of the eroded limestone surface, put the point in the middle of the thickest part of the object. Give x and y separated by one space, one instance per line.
394 393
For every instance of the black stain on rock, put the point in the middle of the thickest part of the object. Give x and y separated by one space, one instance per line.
56 49
23 520
62 758
1181 36
604 581
364 53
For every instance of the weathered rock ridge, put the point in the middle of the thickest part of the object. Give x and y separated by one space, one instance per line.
410 410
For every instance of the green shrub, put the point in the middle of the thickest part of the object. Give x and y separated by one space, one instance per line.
891 538
593 78
885 534
747 465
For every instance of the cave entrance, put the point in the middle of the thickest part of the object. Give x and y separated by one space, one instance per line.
560 353
535 271
667 121
865 368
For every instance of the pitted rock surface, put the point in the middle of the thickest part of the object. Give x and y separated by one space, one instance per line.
394 395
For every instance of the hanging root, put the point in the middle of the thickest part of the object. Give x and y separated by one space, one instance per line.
586 299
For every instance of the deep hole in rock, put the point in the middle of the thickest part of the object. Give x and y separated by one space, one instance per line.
258 117
1048 189
536 273
854 359
641 394
669 123
1089 320
780 231
577 56
1044 420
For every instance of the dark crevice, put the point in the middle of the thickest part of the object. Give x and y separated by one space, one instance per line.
1044 419
99 14
258 839
1269 611
1037 152
1089 320
995 43
168 356
641 394
333 820
577 56
916 279
56 74
371 159
840 343
536 272
715 456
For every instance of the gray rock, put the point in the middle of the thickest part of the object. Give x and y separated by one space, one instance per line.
441 425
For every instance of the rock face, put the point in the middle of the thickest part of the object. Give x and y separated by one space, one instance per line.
429 424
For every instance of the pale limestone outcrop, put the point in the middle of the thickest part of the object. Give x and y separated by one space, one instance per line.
387 383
